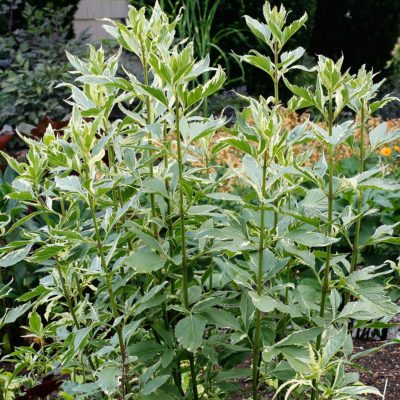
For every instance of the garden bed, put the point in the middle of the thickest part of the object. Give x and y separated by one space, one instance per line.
376 369
382 366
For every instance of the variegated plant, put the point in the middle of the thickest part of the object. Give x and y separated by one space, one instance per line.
157 284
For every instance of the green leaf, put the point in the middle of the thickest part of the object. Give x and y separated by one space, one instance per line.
221 318
379 183
260 61
311 239
22 221
146 239
69 184
290 57
340 133
36 292
81 337
300 337
153 384
242 145
224 196
144 261
189 332
263 303
290 30
13 163
373 303
233 374
15 256
334 344
305 95
259 29
197 130
215 83
5 290
145 350
380 135
46 252
155 185
253 171
283 371
246 309
35 323
155 93
201 210
12 314
81 99
109 379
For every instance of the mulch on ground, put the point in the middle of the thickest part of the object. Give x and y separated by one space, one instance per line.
379 369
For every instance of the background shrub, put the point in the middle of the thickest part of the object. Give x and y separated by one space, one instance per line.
33 62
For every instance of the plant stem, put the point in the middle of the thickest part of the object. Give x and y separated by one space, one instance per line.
116 195
355 249
185 288
276 102
210 281
182 211
63 283
149 121
282 330
59 269
325 284
113 302
276 77
111 161
167 186
177 373
206 77
256 340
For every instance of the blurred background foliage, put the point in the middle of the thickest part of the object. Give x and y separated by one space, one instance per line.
33 39
35 33
364 31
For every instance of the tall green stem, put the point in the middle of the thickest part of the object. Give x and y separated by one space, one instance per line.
149 121
177 374
256 340
329 231
276 102
64 286
111 294
185 288
211 269
276 77
167 185
59 269
206 77
182 210
116 192
355 248
282 330
111 160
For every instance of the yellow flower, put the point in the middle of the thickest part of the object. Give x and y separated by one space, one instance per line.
397 148
386 151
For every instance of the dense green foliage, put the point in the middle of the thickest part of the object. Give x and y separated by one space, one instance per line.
12 12
156 284
34 63
333 28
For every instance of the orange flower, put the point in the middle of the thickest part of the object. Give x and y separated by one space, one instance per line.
397 148
386 151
